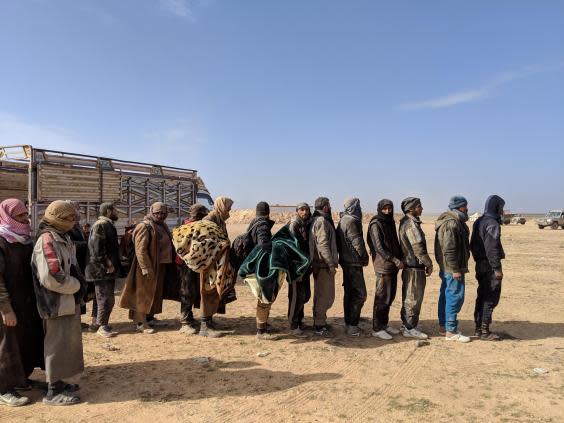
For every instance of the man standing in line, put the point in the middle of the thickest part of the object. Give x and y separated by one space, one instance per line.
418 266
387 260
352 258
452 251
299 292
488 252
325 259
104 266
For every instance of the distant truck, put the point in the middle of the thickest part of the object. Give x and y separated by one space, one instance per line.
553 218
39 176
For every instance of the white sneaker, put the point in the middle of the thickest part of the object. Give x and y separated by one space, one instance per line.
382 334
458 337
392 331
414 333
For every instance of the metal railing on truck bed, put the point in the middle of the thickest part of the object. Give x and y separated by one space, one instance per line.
40 176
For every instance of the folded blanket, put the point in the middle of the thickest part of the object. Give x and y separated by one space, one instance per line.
265 272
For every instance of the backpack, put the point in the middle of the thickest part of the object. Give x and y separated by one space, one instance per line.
241 247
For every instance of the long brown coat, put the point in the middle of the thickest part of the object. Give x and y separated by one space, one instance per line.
141 293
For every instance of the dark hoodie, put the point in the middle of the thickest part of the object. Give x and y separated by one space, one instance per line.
452 249
260 232
350 241
383 241
486 237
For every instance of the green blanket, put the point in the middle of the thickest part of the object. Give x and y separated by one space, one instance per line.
264 271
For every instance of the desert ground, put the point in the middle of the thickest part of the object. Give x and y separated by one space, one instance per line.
158 378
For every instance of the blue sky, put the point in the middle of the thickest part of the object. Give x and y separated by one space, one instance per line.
285 101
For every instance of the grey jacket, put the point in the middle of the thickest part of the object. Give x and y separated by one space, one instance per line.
323 243
413 243
350 242
452 249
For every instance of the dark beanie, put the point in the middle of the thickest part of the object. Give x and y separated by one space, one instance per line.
456 202
104 207
198 211
263 209
409 204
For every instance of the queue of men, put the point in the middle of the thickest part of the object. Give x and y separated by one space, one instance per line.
42 285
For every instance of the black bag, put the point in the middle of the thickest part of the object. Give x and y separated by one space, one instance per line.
241 247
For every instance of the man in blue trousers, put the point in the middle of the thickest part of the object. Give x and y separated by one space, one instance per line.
452 251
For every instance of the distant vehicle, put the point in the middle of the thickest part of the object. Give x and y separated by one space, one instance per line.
518 219
553 218
39 176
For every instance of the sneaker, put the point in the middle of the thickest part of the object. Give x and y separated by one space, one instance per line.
392 330
264 335
93 328
414 333
106 332
61 399
489 336
298 332
353 331
13 399
188 329
442 330
458 337
143 329
323 331
382 334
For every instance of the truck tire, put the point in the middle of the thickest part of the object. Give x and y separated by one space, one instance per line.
554 225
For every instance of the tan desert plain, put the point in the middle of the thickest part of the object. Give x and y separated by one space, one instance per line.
163 378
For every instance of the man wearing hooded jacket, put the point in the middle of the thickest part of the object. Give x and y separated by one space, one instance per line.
387 260
352 258
488 252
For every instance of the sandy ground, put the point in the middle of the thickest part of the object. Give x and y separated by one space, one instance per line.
154 378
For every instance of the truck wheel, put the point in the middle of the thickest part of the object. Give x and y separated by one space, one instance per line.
554 225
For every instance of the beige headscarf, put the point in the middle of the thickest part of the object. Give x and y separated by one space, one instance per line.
57 214
222 205
155 208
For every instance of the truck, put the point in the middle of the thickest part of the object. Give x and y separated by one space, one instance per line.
554 219
39 176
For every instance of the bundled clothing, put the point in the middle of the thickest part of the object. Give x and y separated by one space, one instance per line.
104 266
488 253
417 261
353 256
325 259
154 254
452 252
59 287
299 292
21 346
386 257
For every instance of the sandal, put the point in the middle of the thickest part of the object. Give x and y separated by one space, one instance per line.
62 399
490 336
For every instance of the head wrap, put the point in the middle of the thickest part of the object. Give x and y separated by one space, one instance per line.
198 211
302 206
494 207
321 202
10 229
222 205
262 209
410 203
57 214
381 204
456 202
104 207
352 208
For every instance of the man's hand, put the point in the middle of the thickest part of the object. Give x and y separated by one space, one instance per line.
498 274
457 276
10 319
399 264
144 272
429 270
332 270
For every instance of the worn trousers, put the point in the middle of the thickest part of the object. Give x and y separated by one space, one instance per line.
412 290
451 299
209 300
263 311
323 294
386 287
355 294
104 301
489 291
189 293
299 294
